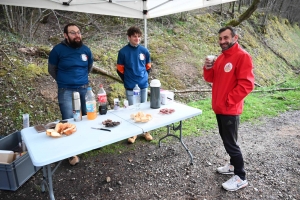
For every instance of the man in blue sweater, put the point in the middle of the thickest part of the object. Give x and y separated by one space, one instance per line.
133 67
69 64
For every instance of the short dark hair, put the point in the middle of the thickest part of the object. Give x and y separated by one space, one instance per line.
134 30
68 25
233 30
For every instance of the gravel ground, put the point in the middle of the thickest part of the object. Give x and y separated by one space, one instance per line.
270 149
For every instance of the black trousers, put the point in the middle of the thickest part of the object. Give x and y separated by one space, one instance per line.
228 129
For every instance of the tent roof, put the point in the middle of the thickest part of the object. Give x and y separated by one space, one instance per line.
122 8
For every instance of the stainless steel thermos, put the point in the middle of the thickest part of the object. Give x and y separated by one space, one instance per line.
155 94
76 106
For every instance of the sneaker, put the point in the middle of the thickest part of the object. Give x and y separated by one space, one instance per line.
148 137
234 183
132 139
74 160
227 169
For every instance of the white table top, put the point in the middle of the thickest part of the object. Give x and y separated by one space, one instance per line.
182 112
45 150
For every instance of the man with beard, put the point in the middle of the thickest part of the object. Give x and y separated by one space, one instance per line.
232 78
69 64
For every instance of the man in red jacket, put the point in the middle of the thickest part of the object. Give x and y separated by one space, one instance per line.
232 78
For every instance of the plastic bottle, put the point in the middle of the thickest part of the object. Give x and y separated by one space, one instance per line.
136 96
25 125
90 102
102 100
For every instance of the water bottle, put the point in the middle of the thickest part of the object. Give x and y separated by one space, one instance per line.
90 102
102 100
136 96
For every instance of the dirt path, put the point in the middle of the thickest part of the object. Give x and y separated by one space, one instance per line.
272 160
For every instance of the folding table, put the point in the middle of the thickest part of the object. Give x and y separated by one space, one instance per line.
45 150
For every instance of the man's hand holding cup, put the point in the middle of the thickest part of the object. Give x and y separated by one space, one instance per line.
209 61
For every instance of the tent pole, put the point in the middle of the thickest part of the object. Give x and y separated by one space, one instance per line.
145 12
145 31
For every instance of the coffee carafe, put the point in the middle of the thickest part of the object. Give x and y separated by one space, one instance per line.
155 93
77 115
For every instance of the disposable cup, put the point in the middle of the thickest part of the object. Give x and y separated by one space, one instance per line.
211 60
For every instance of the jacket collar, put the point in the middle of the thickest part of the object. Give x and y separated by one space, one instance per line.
232 50
132 45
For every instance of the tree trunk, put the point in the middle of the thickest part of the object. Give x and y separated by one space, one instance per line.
245 15
232 10
100 71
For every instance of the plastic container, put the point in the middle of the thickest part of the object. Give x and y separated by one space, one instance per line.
155 94
136 96
167 97
15 174
90 102
102 100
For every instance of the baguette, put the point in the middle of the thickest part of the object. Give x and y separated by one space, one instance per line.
53 133
61 129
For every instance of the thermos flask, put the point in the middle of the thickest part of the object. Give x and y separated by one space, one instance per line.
76 106
155 94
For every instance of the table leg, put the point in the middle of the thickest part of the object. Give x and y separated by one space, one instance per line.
51 193
47 179
44 182
179 127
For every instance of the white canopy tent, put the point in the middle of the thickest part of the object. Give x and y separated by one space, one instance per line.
142 9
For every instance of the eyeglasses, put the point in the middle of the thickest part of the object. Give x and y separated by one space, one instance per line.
74 33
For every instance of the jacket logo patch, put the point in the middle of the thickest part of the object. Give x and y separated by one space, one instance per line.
228 67
142 56
84 57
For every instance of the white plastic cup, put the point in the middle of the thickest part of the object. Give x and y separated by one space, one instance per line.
25 120
116 104
126 104
211 59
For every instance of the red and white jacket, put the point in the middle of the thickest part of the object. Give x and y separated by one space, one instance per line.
232 80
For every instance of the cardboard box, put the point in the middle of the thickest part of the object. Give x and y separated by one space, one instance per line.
6 156
16 173
166 97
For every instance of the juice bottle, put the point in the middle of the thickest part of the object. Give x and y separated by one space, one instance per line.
90 102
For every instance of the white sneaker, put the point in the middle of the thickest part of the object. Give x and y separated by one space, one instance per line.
227 169
234 183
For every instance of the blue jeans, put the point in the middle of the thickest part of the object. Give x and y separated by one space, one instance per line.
65 101
144 95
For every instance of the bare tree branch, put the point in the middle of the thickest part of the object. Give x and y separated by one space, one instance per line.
8 58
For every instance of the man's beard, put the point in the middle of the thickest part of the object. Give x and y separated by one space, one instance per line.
73 43
228 45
